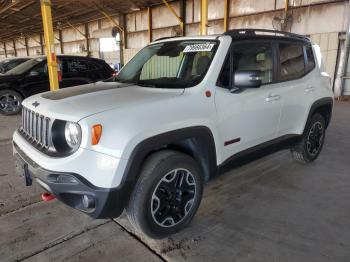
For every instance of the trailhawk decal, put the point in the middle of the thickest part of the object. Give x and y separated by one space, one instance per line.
198 48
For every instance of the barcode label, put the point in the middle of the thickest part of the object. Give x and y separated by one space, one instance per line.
198 48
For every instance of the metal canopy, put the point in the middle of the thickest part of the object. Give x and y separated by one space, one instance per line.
23 17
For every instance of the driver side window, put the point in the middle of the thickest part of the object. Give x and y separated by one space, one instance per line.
40 69
247 57
253 56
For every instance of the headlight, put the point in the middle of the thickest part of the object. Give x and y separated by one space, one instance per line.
72 133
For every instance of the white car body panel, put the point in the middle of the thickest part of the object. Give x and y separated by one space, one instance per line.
239 114
131 114
99 169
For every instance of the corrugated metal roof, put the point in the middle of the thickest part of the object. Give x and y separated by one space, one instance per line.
18 17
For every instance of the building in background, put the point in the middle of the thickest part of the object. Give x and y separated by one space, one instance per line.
325 21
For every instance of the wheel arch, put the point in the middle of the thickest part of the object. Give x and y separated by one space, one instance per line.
197 142
323 106
12 88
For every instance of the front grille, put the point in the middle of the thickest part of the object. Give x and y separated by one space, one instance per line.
36 128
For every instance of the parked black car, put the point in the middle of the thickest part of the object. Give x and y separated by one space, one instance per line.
8 64
31 77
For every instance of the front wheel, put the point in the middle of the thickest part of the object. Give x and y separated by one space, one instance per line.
310 146
10 102
167 194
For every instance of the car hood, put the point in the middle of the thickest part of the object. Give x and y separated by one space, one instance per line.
78 102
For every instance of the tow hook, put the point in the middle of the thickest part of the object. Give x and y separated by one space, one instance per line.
47 197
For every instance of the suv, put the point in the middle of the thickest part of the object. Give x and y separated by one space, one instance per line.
178 112
31 77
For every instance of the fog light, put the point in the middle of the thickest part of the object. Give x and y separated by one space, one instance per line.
66 179
88 202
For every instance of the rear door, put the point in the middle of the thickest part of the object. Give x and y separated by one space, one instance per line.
295 74
75 72
251 116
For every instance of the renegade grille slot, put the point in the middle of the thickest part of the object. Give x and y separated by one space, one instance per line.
35 128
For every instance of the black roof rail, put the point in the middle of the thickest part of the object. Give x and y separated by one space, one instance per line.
164 38
253 31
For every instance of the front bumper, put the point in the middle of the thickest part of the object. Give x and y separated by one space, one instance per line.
73 189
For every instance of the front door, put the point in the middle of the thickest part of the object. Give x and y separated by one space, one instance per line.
37 79
249 117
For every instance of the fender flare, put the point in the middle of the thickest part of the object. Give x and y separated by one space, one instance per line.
326 101
11 87
197 141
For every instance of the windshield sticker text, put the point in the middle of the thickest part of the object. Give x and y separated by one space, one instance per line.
198 48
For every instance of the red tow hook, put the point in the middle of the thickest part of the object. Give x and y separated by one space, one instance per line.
47 197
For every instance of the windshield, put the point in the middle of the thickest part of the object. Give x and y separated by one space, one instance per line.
9 64
24 67
176 64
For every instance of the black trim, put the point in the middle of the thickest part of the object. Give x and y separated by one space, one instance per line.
196 141
251 32
164 38
325 103
279 143
230 142
258 151
109 202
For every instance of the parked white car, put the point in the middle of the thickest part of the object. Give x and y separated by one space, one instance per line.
178 112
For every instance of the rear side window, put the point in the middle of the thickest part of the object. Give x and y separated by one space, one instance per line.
292 63
75 65
93 65
310 62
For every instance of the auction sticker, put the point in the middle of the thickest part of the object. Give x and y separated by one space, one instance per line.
198 48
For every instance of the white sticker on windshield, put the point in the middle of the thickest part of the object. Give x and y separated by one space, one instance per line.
198 48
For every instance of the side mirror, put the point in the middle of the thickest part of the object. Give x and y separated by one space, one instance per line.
33 73
247 79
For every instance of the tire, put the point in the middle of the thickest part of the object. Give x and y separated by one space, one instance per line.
154 208
310 146
10 102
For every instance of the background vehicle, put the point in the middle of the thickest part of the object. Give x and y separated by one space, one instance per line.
148 142
8 64
31 77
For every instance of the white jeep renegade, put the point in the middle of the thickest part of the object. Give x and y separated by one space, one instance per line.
178 112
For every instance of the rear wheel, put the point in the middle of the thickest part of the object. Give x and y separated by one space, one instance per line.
10 102
310 146
167 194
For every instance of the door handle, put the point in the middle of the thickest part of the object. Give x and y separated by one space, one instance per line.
309 89
271 98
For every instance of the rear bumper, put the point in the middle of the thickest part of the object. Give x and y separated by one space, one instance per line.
73 189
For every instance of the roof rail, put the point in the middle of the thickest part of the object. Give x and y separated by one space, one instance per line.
247 32
164 38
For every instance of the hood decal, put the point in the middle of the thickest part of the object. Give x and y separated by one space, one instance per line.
80 90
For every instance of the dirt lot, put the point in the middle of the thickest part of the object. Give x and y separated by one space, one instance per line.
272 209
